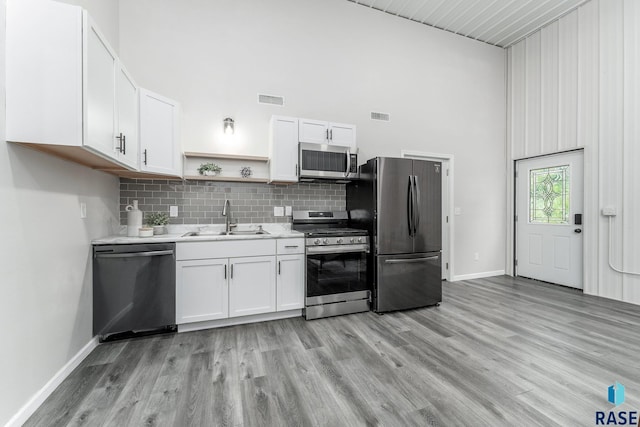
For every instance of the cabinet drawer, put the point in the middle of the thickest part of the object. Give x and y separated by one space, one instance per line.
290 246
225 249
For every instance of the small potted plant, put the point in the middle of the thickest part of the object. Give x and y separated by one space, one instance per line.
159 221
209 169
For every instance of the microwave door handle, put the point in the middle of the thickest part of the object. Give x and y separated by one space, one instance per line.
416 222
410 207
346 173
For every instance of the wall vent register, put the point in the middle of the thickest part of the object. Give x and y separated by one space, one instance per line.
270 99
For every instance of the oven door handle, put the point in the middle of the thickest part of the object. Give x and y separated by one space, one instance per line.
337 250
409 260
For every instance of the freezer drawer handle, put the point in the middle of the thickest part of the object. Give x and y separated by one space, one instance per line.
406 260
135 254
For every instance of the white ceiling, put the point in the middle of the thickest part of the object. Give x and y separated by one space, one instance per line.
497 22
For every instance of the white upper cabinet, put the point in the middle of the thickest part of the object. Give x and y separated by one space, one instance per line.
66 86
320 132
41 106
343 134
283 149
313 131
127 120
159 134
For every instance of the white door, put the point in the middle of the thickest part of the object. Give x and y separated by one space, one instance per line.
201 290
252 285
127 129
290 282
343 135
549 201
159 149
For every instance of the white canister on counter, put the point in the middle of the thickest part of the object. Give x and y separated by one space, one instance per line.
134 219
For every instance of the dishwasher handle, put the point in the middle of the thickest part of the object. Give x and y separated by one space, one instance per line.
134 254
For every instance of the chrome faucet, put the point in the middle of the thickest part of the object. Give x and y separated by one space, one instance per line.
226 212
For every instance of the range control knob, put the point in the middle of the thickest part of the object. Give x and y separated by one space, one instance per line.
325 241
339 241
352 240
316 242
359 239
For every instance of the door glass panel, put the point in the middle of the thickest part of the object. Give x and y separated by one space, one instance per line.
549 195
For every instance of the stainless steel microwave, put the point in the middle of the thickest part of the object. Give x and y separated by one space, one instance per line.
327 162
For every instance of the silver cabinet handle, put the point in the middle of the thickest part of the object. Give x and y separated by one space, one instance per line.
278 267
296 169
410 260
331 134
291 246
119 138
232 271
124 144
145 156
135 254
225 271
327 132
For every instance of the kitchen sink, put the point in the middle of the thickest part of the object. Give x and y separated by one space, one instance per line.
224 233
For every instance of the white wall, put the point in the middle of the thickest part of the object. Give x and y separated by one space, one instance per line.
105 13
45 262
576 83
337 61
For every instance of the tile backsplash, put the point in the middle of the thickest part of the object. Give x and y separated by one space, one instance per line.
200 202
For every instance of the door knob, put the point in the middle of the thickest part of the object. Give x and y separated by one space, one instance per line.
577 230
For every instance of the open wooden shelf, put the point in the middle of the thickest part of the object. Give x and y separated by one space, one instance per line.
225 179
226 156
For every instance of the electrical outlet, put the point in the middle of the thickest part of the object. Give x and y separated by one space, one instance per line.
173 211
288 210
457 211
83 210
278 211
609 211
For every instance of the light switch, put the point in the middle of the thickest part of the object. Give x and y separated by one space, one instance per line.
288 210
457 211
278 211
173 211
83 210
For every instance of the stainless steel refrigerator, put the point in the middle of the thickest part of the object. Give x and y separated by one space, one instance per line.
399 201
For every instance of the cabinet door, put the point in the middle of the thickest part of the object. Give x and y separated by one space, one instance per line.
283 166
290 282
342 134
159 143
314 131
202 291
127 124
100 91
252 285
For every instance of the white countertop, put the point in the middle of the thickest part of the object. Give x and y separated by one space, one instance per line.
176 233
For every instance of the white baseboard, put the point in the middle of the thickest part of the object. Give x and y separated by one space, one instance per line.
41 395
197 326
477 275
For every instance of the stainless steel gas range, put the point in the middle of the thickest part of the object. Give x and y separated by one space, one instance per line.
336 266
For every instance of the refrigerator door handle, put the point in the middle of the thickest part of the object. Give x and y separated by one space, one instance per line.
416 221
410 207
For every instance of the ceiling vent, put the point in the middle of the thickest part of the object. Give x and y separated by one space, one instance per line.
383 117
270 99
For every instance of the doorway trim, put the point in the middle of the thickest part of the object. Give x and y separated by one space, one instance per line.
447 227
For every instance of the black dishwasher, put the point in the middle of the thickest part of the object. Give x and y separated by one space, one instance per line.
134 290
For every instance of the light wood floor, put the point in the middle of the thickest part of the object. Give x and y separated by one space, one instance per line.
498 351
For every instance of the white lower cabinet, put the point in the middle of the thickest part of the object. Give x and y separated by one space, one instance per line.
202 292
213 282
290 282
252 285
